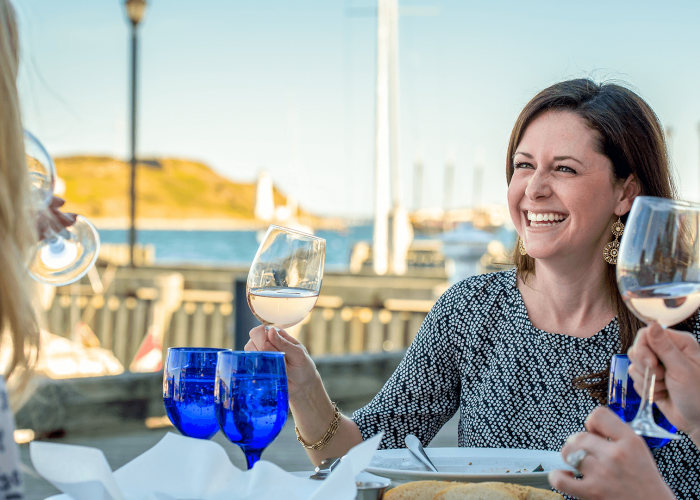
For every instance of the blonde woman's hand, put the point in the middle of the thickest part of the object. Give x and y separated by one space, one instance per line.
301 370
675 358
618 464
53 220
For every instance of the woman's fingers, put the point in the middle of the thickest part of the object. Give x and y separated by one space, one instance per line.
637 372
641 353
272 339
57 202
665 348
258 336
565 481
293 351
65 219
287 337
603 422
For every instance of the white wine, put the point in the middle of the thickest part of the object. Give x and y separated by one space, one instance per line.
667 303
281 307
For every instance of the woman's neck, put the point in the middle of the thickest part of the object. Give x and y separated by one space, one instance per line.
568 299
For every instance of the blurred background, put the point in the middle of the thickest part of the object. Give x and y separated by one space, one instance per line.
381 126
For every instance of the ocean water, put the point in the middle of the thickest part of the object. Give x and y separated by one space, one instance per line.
232 248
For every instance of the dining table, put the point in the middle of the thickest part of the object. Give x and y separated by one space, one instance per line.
123 443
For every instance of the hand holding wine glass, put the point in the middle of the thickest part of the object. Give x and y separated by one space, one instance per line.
658 273
64 253
624 400
675 358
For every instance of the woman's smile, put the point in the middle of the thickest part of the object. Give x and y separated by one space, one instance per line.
544 219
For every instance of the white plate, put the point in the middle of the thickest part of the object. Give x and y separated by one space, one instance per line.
469 464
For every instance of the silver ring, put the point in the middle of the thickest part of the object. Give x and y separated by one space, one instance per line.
575 458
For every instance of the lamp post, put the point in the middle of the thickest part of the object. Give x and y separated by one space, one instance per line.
135 10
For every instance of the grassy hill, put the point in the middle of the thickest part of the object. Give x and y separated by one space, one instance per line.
169 188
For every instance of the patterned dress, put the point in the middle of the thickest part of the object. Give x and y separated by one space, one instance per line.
10 474
478 352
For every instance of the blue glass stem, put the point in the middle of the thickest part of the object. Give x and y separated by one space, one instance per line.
251 456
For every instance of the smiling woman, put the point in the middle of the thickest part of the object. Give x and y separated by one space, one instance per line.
523 354
584 151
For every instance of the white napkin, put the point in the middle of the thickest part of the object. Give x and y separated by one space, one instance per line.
182 468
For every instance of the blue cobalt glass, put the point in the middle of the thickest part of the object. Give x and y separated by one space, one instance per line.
251 399
188 390
624 400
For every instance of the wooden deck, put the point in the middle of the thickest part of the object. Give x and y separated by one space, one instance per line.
121 447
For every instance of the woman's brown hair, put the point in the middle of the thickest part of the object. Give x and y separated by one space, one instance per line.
630 134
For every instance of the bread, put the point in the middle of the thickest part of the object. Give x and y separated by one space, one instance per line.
480 491
418 490
538 494
446 490
528 492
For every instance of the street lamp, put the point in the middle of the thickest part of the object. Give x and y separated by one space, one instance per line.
135 9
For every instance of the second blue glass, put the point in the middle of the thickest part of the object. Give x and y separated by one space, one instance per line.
188 390
251 399
624 400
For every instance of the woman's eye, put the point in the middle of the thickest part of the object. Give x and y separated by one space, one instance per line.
518 165
563 168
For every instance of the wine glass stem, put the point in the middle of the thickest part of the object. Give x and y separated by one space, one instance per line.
57 244
252 456
645 408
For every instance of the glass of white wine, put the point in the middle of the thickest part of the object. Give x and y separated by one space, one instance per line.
64 255
285 278
658 274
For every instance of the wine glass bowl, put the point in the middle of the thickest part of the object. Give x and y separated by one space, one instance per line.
285 278
624 400
658 274
63 255
251 399
42 171
188 390
66 258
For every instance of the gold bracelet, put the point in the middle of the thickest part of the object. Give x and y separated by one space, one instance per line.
319 445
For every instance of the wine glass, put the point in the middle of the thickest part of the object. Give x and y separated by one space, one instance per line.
658 273
188 390
64 255
251 399
285 278
624 400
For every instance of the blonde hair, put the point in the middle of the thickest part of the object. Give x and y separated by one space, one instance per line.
17 229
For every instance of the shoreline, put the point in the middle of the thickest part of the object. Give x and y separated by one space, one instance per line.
204 224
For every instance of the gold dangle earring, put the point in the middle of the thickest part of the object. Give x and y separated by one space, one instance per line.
521 247
613 248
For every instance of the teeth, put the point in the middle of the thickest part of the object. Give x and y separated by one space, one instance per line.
545 216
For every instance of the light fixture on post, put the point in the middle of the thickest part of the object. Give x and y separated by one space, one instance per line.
135 10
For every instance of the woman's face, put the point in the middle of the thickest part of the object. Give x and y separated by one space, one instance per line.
562 196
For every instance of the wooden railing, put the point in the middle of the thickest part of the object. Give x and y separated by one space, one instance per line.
343 329
205 318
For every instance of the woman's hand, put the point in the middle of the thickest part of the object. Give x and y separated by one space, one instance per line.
618 464
53 221
675 358
301 370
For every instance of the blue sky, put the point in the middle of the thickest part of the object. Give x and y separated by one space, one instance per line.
289 86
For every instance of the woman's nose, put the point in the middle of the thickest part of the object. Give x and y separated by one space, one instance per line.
538 186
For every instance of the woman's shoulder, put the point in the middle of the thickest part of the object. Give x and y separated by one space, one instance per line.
484 289
483 286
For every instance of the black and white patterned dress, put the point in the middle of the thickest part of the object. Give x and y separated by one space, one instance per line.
10 474
478 352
